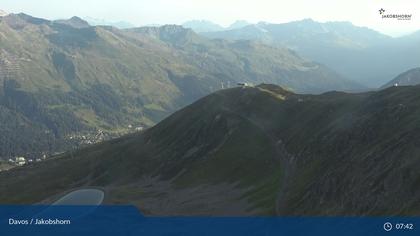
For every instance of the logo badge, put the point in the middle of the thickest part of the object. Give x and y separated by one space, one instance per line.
381 11
396 16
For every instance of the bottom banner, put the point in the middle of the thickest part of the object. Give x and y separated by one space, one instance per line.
128 220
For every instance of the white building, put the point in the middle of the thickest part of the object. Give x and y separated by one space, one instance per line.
20 161
245 84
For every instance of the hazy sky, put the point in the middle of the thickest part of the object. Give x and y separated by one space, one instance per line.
224 12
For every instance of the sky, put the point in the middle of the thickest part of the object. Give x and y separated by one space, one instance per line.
225 12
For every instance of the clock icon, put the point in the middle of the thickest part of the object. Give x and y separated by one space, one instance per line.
387 226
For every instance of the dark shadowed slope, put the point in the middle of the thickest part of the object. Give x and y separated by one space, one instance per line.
253 151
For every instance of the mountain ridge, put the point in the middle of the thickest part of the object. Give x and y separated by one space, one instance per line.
408 78
73 79
117 24
202 26
348 49
75 22
253 151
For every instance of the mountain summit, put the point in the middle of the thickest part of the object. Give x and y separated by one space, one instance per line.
75 22
238 24
260 150
202 26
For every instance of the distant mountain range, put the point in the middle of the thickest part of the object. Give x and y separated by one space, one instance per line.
358 53
61 79
252 151
409 78
201 26
117 24
238 24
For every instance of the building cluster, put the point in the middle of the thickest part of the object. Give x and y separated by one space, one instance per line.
100 135
89 138
80 139
135 129
244 84
21 161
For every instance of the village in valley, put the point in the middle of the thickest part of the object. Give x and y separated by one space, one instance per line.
78 140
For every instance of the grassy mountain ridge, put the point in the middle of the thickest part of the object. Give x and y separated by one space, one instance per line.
253 151
67 77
